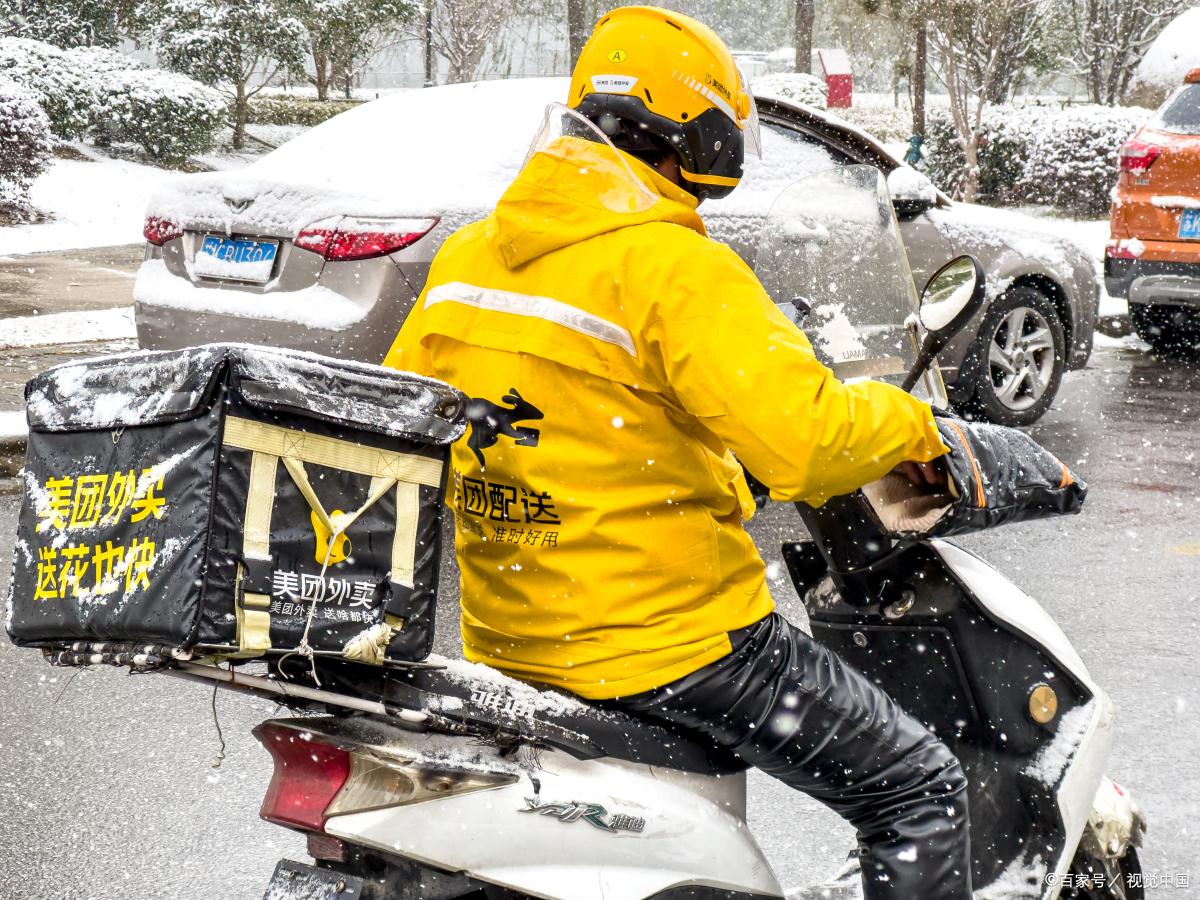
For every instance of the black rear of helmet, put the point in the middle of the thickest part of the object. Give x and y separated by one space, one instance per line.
708 145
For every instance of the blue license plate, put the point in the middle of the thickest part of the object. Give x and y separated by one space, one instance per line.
236 258
1189 225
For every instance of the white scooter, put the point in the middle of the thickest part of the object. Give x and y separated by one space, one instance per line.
449 780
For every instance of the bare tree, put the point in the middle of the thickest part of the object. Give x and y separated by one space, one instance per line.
805 14
344 35
970 38
920 70
462 30
1111 37
1026 40
912 16
579 24
427 44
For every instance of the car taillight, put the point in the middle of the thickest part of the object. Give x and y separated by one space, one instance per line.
158 230
314 780
308 775
1124 248
1137 156
352 238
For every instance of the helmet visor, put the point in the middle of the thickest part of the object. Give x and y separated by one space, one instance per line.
567 135
750 130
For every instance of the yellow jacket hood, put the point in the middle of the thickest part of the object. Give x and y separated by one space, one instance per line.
575 189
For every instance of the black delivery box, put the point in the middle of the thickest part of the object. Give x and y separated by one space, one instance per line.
231 500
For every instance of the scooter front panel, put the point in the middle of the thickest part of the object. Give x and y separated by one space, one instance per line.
968 675
1085 746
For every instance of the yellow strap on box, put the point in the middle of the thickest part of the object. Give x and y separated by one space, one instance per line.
387 468
253 611
404 543
331 452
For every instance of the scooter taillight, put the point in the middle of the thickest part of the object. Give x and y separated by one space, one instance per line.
317 777
308 775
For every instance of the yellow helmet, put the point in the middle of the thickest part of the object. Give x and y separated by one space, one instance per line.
657 81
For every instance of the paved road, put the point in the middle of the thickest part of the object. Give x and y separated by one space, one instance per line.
68 281
95 278
106 782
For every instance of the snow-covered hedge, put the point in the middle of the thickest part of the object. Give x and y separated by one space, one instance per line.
799 87
25 147
1072 162
1007 134
295 110
885 123
170 116
61 85
64 23
1064 156
1173 53
100 62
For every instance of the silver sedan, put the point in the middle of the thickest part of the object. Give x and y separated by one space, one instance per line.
324 243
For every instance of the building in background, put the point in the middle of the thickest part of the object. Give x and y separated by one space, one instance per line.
834 66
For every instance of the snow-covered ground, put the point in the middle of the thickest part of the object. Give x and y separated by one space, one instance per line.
68 328
101 201
262 138
94 204
12 424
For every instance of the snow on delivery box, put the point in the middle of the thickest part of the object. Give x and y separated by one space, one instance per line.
230 500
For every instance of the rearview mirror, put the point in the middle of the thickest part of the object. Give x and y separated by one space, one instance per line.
952 298
911 192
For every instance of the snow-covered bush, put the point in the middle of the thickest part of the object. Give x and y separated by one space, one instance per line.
64 23
101 62
1072 159
1063 156
62 87
799 87
25 148
295 111
170 116
1173 53
885 123
1003 150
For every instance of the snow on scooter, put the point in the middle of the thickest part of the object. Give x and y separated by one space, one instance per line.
443 782
415 777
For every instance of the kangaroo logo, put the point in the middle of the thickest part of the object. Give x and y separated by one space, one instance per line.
324 553
489 422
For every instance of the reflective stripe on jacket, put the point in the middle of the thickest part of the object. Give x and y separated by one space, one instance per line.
619 358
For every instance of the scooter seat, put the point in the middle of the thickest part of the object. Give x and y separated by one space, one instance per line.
496 705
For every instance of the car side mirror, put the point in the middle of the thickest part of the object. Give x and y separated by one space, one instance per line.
952 298
911 192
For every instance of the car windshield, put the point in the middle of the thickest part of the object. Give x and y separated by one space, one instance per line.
831 256
1181 113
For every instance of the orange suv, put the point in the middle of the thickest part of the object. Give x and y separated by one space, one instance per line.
1153 257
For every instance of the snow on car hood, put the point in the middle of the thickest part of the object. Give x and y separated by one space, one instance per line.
1019 244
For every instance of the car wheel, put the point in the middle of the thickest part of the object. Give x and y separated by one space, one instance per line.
1170 330
1018 359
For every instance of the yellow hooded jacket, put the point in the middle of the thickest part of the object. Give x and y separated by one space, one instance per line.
617 358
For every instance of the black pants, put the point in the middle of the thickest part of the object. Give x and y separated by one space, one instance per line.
792 708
